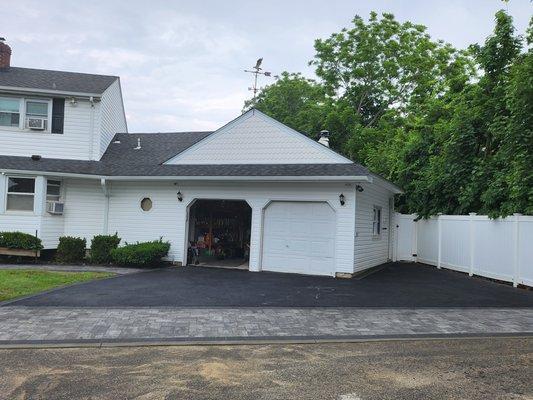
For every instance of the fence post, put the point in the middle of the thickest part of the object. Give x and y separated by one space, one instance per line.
472 236
439 240
516 274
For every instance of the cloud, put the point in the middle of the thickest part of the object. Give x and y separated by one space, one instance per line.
181 63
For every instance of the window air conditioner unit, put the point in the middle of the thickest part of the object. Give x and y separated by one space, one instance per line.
36 123
55 207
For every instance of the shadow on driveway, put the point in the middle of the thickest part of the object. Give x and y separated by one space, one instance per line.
396 285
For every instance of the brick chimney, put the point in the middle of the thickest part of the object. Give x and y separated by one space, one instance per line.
5 54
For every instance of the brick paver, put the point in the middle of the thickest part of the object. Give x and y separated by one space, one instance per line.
64 324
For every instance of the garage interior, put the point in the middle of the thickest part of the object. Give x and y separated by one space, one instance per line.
219 233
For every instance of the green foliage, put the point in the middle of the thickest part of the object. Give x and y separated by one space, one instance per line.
20 240
147 254
17 283
71 249
101 246
453 128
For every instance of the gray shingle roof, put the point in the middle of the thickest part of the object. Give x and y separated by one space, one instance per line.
121 159
61 81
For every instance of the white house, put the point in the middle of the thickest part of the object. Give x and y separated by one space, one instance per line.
254 193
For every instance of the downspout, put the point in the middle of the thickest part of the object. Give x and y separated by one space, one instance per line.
105 190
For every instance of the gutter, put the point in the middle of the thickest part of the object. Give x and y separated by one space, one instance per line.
348 178
13 89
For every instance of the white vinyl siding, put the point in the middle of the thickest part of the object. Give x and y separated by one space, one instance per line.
371 249
112 118
84 208
74 143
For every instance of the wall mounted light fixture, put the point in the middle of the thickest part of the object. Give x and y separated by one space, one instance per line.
359 188
342 199
180 196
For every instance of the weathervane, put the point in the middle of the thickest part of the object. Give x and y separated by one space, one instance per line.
256 71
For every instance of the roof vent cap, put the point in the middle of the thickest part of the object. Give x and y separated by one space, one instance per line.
138 144
324 138
36 157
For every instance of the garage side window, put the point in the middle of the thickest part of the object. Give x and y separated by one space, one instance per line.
20 194
376 221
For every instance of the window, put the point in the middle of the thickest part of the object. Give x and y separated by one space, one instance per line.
36 109
9 112
53 190
146 204
20 194
36 115
376 221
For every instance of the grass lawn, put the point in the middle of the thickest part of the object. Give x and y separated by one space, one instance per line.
17 283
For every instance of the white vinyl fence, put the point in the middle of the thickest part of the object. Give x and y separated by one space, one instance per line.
499 249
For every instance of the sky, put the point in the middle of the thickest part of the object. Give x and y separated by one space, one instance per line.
181 62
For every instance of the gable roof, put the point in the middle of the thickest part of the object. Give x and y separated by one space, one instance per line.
122 159
54 81
255 138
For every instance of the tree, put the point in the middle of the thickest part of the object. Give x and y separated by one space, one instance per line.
383 65
294 100
453 128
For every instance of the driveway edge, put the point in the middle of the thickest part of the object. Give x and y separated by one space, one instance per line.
232 341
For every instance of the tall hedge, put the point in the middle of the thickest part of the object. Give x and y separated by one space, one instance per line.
20 240
101 247
147 254
71 249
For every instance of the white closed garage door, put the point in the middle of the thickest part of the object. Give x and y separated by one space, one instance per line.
299 237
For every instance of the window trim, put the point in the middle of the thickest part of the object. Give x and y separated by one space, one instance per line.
8 177
379 211
22 114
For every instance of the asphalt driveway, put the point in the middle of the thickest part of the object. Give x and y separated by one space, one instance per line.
396 285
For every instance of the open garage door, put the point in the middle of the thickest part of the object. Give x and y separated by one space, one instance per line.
299 237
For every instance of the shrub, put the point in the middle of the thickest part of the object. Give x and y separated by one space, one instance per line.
101 247
71 249
145 254
20 240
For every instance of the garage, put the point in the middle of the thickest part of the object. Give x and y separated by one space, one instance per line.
299 237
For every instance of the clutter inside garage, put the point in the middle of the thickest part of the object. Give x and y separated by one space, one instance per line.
219 233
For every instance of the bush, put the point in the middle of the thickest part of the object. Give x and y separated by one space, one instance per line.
71 249
101 247
20 240
145 254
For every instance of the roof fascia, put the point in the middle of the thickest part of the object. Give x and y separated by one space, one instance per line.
13 89
340 178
